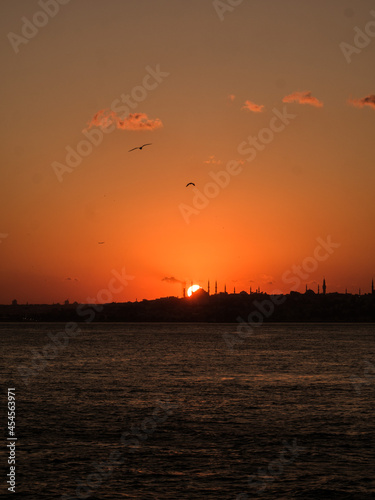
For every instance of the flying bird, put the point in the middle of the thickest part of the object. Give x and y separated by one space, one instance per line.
101 242
140 147
192 183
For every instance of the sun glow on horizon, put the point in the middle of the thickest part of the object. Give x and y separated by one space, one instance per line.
192 289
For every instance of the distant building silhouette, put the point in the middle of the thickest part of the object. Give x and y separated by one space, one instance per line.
200 307
322 290
14 302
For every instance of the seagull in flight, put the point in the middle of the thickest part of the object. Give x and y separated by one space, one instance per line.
192 183
140 147
101 242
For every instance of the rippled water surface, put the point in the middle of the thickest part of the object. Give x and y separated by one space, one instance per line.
289 413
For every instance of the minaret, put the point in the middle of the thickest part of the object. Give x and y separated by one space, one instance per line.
208 287
372 286
324 286
306 288
215 287
225 288
184 292
234 289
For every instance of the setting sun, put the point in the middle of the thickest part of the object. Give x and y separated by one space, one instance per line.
192 289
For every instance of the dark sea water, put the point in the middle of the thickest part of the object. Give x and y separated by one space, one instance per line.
168 411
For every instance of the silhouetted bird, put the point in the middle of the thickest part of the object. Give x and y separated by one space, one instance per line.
101 242
140 147
192 183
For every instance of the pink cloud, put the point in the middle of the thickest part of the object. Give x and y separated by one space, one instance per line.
134 121
303 98
365 101
251 106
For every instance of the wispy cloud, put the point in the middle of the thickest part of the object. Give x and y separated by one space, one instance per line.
251 106
212 161
134 121
231 97
172 279
365 101
266 278
303 98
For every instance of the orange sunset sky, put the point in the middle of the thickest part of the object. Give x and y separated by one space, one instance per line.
224 72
